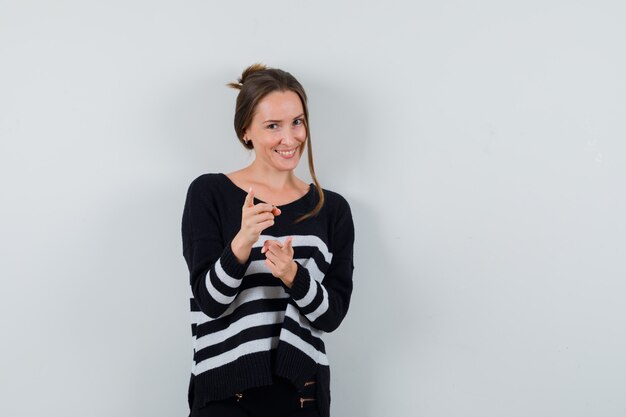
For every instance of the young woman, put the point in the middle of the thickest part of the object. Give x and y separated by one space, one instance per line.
270 260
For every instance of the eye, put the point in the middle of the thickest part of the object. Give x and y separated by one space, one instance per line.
298 122
272 126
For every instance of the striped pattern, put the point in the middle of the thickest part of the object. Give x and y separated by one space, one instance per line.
247 327
259 317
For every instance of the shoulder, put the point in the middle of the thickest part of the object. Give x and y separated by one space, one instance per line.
338 214
335 202
336 209
205 184
201 211
211 190
208 180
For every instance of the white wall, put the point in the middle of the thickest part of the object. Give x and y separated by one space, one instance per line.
481 145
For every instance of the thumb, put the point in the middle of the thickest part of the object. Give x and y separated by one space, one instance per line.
288 242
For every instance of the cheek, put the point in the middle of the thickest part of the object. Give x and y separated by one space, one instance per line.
301 133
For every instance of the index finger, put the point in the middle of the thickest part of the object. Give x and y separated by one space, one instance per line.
249 201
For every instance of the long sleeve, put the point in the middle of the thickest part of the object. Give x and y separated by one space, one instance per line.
257 327
214 272
326 303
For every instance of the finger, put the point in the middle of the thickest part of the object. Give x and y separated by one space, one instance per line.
266 245
286 247
274 250
273 258
249 202
261 217
262 207
276 211
256 221
265 248
275 244
264 225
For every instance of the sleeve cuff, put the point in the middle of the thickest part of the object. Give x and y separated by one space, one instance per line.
230 263
301 283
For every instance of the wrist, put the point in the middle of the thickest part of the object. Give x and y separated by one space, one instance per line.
291 274
240 249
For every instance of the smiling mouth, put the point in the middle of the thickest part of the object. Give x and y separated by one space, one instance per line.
287 153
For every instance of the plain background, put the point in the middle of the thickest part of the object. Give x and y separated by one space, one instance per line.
481 145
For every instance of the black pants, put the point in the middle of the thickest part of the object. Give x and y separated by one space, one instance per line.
281 399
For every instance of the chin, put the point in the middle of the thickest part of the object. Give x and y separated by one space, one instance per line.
285 164
289 167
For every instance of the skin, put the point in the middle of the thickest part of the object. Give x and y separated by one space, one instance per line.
277 125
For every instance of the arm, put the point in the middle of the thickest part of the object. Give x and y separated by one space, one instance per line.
325 304
214 272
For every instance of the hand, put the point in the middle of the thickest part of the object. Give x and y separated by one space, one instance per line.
254 219
279 259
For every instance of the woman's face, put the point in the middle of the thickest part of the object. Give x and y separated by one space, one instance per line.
277 130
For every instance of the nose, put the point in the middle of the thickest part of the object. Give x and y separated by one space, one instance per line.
289 137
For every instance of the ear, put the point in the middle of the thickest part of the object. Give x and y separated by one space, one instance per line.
245 137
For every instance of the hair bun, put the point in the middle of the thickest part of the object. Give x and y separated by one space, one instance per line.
246 73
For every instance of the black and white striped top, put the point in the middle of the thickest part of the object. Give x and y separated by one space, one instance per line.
246 324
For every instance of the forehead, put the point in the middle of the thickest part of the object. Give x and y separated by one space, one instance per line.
279 105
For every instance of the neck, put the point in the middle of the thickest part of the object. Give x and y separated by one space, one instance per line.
276 180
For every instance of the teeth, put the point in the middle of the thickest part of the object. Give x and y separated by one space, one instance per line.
287 153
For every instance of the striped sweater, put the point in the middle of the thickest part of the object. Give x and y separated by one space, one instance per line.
246 324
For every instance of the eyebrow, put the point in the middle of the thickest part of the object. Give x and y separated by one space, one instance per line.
276 121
